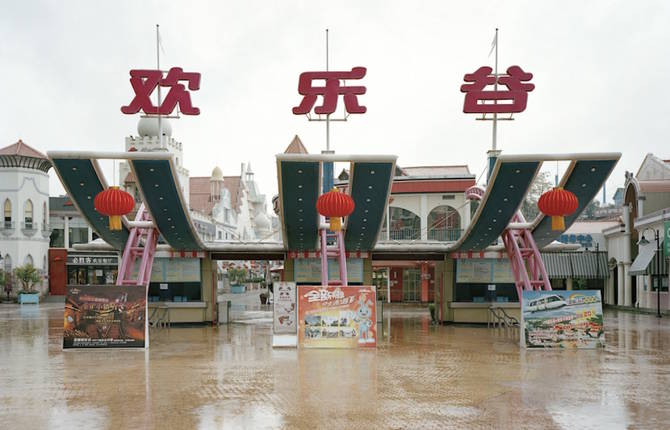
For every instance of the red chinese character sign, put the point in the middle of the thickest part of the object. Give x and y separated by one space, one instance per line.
514 99
330 92
144 82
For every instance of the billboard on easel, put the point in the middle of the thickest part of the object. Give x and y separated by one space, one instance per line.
337 316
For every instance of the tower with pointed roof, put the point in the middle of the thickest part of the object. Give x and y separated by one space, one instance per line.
24 201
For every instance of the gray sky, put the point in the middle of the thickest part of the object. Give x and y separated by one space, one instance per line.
599 70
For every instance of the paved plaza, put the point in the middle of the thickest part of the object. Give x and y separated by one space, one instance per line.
420 376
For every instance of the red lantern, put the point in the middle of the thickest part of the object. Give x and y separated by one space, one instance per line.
335 205
114 202
558 203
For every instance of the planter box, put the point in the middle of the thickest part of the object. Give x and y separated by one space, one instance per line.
29 298
237 289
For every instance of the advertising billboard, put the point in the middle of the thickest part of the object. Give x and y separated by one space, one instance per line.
562 319
284 308
105 316
337 317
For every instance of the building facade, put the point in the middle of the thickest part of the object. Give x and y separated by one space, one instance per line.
633 264
24 195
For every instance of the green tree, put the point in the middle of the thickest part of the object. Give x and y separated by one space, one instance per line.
541 184
590 210
28 276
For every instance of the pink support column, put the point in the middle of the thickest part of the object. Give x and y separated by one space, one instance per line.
324 257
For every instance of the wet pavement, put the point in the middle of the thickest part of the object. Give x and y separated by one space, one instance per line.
420 376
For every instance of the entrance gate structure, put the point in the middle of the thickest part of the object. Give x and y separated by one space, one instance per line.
165 211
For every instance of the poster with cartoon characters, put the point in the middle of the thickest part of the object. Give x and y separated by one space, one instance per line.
284 308
337 317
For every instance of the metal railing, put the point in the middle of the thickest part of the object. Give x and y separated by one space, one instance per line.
440 234
501 319
7 225
445 234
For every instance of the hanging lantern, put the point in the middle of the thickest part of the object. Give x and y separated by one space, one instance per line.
335 205
114 202
558 203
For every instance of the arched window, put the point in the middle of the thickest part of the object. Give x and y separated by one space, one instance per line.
444 224
404 225
28 214
28 260
8 214
45 216
8 263
44 263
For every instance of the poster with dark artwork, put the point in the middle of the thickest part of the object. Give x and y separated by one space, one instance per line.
105 316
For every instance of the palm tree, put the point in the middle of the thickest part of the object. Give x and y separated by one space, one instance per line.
28 276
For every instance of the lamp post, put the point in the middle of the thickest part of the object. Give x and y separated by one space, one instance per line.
644 241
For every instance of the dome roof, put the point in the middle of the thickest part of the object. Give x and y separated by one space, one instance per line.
262 221
217 174
148 127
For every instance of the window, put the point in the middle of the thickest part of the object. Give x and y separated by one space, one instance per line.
444 224
28 214
8 214
405 225
45 220
8 263
28 260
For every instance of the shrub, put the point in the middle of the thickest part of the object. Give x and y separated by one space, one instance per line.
28 276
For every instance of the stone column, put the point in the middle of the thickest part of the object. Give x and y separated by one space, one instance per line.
627 285
423 215
90 234
620 286
609 290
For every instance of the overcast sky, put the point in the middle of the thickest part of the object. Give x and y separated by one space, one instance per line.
600 74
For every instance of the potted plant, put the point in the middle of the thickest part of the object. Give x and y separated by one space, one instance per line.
237 277
28 276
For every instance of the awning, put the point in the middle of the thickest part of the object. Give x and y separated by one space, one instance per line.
645 256
576 265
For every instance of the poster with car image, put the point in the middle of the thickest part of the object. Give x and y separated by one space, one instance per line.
284 308
562 319
337 317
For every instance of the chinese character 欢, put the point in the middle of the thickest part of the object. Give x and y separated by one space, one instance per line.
144 82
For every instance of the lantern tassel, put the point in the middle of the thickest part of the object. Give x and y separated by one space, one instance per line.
114 222
557 223
335 223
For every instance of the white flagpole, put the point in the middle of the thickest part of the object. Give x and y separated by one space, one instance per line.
495 102
158 67
327 115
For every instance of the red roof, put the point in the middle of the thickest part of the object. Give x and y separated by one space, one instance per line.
296 147
23 149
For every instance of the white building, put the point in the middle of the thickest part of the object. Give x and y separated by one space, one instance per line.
148 141
633 266
222 207
24 193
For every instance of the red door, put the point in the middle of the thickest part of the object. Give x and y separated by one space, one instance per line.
57 271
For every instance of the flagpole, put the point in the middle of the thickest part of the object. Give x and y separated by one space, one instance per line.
328 115
158 67
495 102
328 168
493 153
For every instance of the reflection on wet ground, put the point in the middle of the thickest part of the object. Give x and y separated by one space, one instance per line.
420 376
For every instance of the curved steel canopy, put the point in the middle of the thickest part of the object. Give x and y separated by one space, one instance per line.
299 177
